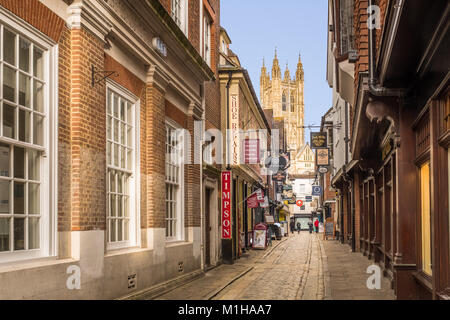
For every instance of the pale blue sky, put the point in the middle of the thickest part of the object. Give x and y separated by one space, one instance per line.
256 27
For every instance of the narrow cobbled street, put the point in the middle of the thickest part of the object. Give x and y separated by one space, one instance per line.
301 267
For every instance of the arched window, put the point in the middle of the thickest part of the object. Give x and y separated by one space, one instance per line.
284 101
292 102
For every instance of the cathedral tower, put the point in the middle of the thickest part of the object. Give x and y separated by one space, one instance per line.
286 97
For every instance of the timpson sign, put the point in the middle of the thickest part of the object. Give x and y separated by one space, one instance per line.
226 205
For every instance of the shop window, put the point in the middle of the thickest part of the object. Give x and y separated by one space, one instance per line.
425 220
121 159
27 80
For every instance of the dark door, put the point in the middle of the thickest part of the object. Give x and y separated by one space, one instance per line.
208 227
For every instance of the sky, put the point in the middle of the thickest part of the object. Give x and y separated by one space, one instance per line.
256 27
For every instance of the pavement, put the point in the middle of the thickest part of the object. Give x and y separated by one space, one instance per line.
300 267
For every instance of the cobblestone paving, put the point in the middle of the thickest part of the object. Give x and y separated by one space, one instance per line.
301 267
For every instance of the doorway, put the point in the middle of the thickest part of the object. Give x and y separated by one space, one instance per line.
208 195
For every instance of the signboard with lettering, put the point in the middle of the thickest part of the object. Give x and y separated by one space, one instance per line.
323 157
226 205
318 140
234 127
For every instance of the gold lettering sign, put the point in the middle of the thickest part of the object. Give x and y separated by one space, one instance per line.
318 140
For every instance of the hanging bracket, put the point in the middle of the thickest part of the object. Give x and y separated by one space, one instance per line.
98 76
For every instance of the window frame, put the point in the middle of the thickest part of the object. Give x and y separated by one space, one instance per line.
180 214
207 45
48 195
183 18
134 187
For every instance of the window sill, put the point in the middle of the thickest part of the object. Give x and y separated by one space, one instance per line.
123 251
111 252
176 243
33 263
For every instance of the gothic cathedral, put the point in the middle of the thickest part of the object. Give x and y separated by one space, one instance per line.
286 97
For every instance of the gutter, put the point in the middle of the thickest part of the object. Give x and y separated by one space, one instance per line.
374 87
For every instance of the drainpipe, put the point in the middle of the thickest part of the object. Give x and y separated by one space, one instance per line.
202 209
374 87
344 173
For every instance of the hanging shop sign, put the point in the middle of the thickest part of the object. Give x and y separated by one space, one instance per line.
269 219
260 195
287 194
293 200
251 151
226 205
265 203
318 140
280 176
323 157
316 191
252 202
323 170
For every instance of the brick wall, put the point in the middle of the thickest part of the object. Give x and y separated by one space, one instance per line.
155 162
88 134
192 184
64 133
38 15
362 46
212 89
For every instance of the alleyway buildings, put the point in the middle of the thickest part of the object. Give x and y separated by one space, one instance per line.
388 132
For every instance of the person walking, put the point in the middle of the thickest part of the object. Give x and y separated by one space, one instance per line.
316 224
310 225
299 227
292 225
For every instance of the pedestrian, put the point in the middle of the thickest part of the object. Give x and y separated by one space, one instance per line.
299 227
310 225
316 224
292 225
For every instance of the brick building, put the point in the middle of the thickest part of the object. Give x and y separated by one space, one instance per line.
248 129
99 100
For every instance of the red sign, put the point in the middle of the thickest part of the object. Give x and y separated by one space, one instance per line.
300 203
252 201
226 205
251 151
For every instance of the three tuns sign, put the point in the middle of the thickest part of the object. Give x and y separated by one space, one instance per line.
226 205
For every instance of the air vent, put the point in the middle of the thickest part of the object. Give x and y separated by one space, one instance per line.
180 267
132 282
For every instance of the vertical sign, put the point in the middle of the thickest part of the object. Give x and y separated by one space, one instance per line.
226 205
234 122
